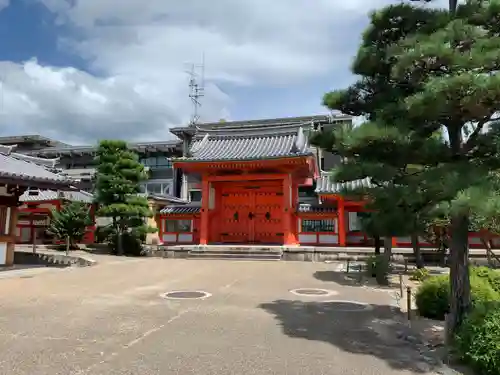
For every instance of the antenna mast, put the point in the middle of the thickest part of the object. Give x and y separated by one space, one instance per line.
196 89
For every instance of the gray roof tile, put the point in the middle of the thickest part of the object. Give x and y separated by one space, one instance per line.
252 144
163 197
33 195
179 210
326 185
30 169
307 208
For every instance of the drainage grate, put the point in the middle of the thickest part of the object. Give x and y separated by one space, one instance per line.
186 294
313 292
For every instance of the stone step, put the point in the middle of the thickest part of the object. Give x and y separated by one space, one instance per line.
233 255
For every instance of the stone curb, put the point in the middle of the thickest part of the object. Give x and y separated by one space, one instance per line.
61 259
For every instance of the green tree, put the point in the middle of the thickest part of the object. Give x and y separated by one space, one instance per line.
119 175
69 224
423 71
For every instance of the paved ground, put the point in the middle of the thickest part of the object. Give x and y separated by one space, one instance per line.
109 319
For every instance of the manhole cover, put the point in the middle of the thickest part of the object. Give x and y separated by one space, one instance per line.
188 294
313 292
349 306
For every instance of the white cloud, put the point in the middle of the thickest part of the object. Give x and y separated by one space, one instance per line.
138 50
4 4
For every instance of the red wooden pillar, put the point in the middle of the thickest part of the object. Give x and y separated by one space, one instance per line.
394 242
205 197
289 238
341 221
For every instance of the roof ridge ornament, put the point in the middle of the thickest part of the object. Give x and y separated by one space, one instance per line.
7 150
300 141
199 145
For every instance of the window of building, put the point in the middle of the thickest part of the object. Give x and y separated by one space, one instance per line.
323 225
195 195
178 225
354 223
165 187
157 162
4 220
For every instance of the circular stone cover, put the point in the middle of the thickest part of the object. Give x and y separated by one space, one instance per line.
186 294
349 306
313 292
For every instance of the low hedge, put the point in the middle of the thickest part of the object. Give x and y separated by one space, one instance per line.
478 339
488 274
433 295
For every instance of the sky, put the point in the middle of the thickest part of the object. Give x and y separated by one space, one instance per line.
83 70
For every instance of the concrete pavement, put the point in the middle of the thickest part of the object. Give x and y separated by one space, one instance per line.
110 319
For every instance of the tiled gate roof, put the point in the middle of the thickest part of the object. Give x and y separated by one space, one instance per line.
326 185
248 144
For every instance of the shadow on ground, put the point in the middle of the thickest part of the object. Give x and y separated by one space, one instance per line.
359 329
351 279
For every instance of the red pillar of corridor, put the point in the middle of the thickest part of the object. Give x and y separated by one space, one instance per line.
288 200
205 197
341 221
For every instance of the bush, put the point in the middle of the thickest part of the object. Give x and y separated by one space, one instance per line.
420 274
378 267
433 295
478 339
490 275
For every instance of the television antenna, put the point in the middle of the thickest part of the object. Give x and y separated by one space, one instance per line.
196 89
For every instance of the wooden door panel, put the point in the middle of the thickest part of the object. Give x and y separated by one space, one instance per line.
268 224
234 226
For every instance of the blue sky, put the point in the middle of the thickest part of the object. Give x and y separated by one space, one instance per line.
81 70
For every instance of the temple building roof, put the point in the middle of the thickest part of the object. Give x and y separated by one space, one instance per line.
250 143
36 195
326 185
29 170
192 208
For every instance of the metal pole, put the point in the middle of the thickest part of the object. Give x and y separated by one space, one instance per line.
34 240
348 264
408 301
401 285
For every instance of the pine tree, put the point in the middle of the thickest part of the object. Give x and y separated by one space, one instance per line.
70 223
119 175
423 71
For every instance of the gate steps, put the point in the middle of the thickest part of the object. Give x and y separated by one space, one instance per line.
236 255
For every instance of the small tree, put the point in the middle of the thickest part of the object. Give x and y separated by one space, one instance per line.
119 175
70 223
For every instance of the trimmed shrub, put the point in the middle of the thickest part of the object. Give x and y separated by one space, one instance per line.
490 275
478 340
433 295
379 267
420 274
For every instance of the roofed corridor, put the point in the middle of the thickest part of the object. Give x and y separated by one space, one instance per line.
111 319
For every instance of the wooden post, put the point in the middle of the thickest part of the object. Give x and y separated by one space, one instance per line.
341 221
408 302
205 198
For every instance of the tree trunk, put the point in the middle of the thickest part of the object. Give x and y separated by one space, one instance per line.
68 243
388 248
459 272
378 244
487 242
419 261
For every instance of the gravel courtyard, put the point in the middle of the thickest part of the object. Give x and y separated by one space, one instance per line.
111 319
